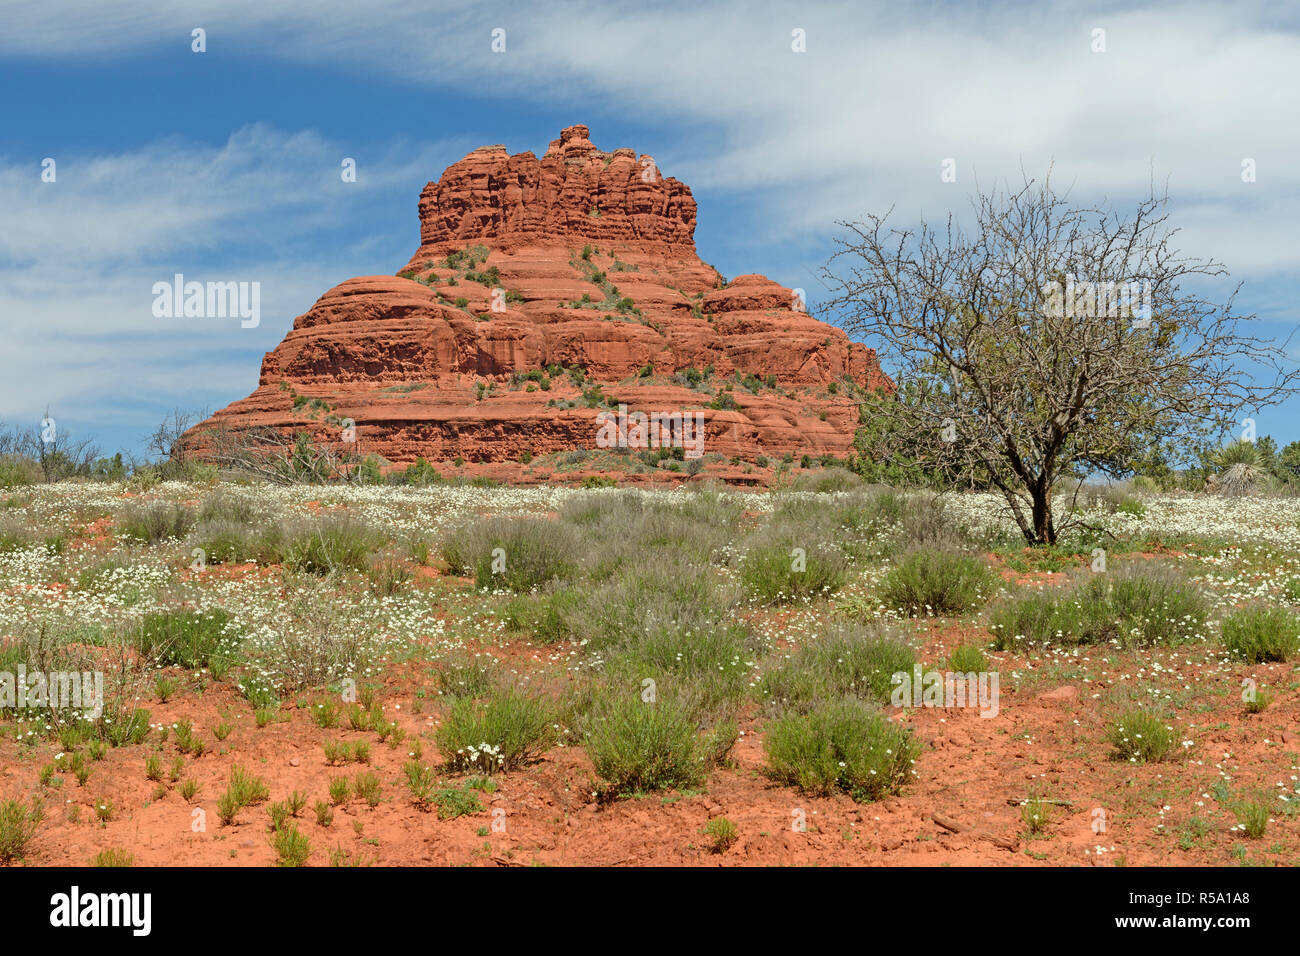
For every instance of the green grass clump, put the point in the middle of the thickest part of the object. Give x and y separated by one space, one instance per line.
1135 605
723 832
1262 632
844 745
453 802
931 582
967 659
785 567
503 732
244 790
328 544
292 848
113 858
156 521
515 554
846 661
706 670
1140 736
18 823
640 747
189 639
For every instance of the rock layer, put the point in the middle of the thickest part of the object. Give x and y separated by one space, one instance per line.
544 292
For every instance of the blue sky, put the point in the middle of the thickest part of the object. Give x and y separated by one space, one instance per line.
224 165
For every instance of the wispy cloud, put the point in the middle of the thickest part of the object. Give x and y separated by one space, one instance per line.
79 258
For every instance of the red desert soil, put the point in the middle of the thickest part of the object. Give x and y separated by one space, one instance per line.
1049 738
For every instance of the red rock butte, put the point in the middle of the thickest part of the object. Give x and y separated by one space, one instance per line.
545 291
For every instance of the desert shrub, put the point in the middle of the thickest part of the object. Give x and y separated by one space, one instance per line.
929 582
453 802
113 857
667 593
548 615
966 659
321 546
388 574
18 470
845 661
503 732
1253 816
1132 605
243 790
782 567
225 504
224 541
291 847
722 832
1140 736
324 639
14 535
189 639
844 745
1261 632
706 671
639 747
465 675
156 521
18 823
516 554
828 480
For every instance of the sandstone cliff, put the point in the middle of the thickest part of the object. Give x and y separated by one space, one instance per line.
545 292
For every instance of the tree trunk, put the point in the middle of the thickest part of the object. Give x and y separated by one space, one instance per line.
1044 530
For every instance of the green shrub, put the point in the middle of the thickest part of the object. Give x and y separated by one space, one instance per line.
784 567
19 470
827 481
156 521
1133 605
14 536
1262 632
452 803
225 504
707 670
189 639
847 661
225 542
845 745
505 731
722 832
470 676
928 582
18 824
516 554
639 747
292 848
967 659
1140 736
546 616
327 544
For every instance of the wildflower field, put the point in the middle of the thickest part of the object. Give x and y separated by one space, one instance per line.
355 675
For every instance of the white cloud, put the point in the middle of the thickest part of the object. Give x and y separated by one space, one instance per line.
79 258
861 121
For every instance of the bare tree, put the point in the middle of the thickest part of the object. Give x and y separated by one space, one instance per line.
166 441
277 456
1052 342
52 448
